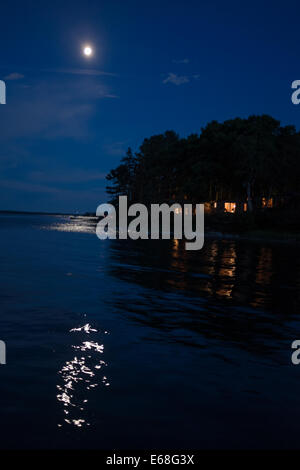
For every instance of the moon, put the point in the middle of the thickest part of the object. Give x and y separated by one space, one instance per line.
88 51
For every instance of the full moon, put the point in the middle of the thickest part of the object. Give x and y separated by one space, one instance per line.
87 50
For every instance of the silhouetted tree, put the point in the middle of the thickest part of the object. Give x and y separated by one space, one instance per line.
237 160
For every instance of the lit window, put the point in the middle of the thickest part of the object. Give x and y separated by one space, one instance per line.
230 207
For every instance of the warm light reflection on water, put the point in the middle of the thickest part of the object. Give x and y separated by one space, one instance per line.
227 270
79 376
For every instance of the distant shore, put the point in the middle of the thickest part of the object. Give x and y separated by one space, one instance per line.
34 213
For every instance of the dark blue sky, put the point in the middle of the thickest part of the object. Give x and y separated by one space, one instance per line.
158 65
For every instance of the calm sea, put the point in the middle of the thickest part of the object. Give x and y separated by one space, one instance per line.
141 344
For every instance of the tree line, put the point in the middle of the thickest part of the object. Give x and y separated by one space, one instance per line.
241 160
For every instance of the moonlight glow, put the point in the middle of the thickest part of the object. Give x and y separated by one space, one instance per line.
88 51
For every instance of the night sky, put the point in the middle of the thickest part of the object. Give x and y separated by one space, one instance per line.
157 66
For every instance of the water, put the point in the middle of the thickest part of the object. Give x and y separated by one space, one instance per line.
140 344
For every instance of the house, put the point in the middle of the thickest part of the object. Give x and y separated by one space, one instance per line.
232 206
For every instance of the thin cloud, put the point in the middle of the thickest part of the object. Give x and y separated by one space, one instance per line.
59 108
90 72
66 176
110 95
29 187
116 149
181 61
176 79
14 76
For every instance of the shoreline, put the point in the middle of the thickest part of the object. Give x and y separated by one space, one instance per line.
257 236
